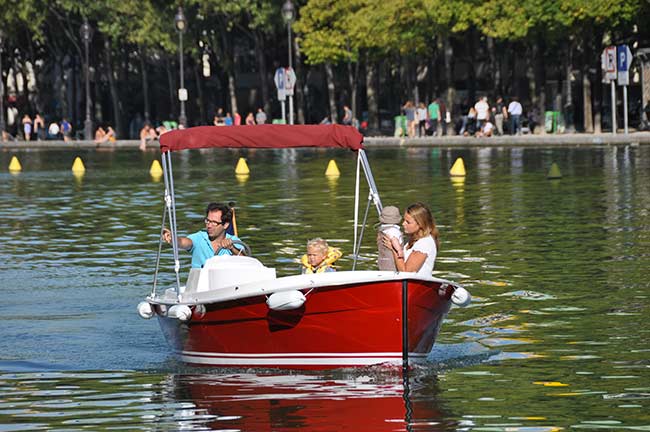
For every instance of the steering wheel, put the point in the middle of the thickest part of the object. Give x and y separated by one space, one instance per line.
247 249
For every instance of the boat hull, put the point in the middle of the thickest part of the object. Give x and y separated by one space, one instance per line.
359 324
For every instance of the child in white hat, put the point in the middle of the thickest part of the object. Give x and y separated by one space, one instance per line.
388 226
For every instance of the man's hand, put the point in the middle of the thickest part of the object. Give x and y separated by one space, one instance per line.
167 235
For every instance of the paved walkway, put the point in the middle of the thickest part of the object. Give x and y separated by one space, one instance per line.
548 140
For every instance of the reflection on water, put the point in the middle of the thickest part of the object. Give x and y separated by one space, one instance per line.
557 335
370 400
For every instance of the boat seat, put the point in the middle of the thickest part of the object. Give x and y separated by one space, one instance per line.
231 270
192 280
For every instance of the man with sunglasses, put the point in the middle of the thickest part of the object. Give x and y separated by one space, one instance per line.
213 240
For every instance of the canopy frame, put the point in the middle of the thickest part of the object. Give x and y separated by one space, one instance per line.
170 198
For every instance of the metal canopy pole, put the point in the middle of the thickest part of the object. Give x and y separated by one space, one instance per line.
371 181
155 274
356 208
171 209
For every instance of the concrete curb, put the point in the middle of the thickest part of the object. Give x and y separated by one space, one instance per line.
549 140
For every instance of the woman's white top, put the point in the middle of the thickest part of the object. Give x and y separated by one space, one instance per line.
427 246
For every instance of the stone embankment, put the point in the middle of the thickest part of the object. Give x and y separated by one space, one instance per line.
548 140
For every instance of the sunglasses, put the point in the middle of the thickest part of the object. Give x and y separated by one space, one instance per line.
212 222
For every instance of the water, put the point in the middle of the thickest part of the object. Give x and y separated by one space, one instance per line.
557 335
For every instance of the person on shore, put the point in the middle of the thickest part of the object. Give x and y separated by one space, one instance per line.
347 116
487 130
227 120
27 127
419 253
147 133
482 112
319 257
53 131
39 127
514 111
66 129
103 135
411 121
422 119
501 115
211 241
219 119
260 117
388 226
434 117
250 119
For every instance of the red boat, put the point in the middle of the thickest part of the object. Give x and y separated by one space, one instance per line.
235 311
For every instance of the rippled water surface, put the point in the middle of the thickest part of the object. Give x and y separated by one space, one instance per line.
557 336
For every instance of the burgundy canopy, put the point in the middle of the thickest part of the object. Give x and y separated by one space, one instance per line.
262 136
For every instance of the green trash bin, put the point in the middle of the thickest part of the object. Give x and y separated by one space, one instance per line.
400 126
549 121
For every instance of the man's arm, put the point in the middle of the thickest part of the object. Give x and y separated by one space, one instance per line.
183 242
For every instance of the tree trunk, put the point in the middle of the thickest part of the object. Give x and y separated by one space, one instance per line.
115 98
263 74
540 79
145 86
299 89
371 95
568 93
331 91
449 80
353 73
198 78
232 92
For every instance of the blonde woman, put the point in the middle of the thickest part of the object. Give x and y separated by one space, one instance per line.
419 253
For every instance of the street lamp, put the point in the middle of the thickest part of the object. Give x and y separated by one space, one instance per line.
289 13
181 26
2 91
86 35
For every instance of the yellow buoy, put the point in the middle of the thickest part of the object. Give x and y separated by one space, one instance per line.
332 170
458 169
14 165
242 167
78 166
554 172
156 169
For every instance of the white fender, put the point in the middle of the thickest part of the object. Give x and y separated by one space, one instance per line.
145 310
285 300
182 312
461 297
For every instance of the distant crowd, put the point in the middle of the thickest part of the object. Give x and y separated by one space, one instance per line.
480 119
32 129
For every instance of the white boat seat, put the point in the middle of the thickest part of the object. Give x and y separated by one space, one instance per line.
228 270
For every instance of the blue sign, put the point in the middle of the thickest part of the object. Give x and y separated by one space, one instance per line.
624 58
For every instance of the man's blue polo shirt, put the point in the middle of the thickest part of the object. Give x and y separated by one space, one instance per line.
201 248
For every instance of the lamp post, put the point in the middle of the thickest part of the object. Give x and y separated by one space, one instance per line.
86 35
288 13
181 25
2 91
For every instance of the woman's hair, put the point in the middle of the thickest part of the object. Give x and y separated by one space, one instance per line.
426 223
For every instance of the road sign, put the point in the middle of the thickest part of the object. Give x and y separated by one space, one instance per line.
290 81
623 60
608 63
280 83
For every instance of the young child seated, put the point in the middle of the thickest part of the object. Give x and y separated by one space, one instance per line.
319 257
388 226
